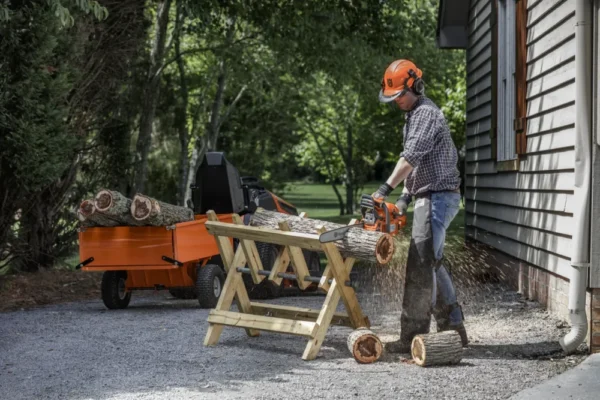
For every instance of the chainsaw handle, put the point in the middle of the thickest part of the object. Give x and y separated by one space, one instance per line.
387 216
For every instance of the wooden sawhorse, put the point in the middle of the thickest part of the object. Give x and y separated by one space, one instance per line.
253 316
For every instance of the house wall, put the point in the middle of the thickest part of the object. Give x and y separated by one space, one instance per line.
525 214
524 218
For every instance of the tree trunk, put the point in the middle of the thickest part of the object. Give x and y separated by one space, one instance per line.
184 136
115 206
365 245
197 155
437 349
156 213
349 198
364 346
209 141
181 109
339 197
150 95
349 173
40 233
325 159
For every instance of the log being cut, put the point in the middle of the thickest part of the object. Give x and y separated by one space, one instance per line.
149 211
89 216
358 243
116 206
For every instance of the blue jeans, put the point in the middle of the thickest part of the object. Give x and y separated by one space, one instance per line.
444 207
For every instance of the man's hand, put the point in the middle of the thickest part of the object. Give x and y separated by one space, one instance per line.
403 202
383 191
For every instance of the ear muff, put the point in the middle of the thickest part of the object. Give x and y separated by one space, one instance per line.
418 86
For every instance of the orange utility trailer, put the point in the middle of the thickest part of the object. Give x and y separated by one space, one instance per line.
182 258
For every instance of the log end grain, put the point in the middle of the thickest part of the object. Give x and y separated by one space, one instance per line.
442 348
86 208
141 207
384 249
365 346
104 200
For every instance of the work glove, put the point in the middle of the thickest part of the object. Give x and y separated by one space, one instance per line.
383 191
403 202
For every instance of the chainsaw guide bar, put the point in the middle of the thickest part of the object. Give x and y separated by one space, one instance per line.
337 234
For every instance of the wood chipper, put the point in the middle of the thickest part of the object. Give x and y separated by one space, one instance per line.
183 258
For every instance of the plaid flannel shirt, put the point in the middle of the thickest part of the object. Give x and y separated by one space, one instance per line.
429 149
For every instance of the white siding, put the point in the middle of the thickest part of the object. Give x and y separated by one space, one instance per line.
526 214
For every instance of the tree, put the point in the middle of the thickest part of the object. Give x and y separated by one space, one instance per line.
63 13
55 89
151 91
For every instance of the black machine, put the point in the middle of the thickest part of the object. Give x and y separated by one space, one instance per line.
219 187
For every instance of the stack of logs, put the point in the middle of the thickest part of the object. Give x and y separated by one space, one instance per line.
111 208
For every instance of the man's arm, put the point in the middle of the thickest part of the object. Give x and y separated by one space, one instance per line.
401 171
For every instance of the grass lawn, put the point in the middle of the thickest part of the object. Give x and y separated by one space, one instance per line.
320 202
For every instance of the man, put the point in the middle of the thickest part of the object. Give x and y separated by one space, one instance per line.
428 168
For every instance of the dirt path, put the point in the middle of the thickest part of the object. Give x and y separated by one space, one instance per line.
153 350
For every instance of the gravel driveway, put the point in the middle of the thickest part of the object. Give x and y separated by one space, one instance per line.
154 350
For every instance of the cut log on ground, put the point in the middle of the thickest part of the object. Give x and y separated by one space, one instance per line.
153 212
89 216
440 348
116 206
357 243
364 346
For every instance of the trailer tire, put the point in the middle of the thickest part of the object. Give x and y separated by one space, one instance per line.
266 289
209 285
183 294
313 262
114 295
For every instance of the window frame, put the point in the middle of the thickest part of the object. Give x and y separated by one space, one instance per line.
519 106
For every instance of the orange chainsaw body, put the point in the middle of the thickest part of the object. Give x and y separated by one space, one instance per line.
377 216
383 217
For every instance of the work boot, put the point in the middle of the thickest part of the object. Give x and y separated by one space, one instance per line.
460 328
443 324
398 346
409 328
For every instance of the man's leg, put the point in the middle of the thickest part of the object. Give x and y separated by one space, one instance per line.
418 286
447 312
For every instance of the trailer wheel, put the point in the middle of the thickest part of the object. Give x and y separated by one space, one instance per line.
114 295
209 284
313 262
184 294
266 289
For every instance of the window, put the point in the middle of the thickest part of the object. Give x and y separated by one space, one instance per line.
509 80
507 149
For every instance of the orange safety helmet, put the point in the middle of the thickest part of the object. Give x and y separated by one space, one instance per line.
400 76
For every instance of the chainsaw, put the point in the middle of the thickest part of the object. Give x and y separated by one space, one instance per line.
377 216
